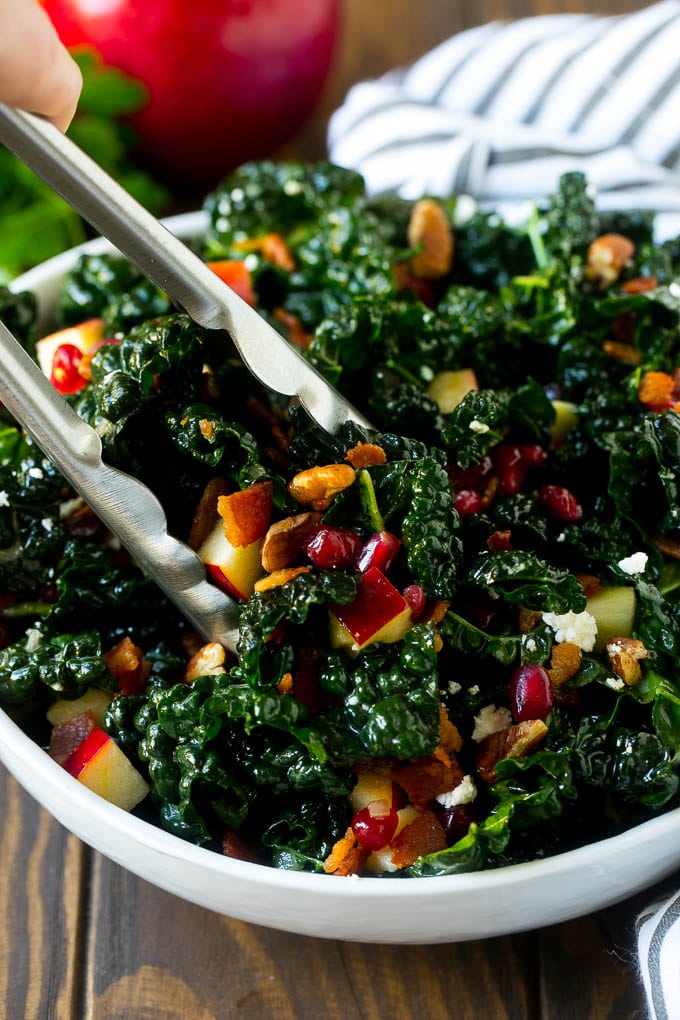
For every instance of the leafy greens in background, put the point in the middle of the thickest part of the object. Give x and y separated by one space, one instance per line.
34 222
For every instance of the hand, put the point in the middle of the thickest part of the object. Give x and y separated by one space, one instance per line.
36 71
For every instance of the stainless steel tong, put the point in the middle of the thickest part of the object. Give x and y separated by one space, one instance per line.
126 506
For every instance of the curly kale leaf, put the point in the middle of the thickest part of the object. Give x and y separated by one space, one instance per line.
644 480
201 433
507 649
430 529
304 830
489 253
19 312
109 286
522 578
483 418
571 219
66 664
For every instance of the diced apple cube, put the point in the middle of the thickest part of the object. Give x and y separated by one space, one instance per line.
448 388
100 765
378 612
85 336
371 785
94 700
566 419
234 568
614 612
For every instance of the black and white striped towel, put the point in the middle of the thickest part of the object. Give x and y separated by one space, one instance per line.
500 111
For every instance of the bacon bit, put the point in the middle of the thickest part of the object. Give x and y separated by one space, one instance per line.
206 428
297 334
365 455
285 684
450 739
423 836
640 284
668 546
423 779
318 486
206 515
625 353
656 390
208 661
565 662
67 736
590 584
499 541
246 513
528 619
606 257
285 540
127 664
238 848
514 742
624 655
278 578
346 857
429 228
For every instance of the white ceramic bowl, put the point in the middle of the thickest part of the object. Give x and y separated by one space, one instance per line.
416 910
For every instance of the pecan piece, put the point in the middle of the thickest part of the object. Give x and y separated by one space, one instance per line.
278 578
285 540
317 486
606 257
565 661
624 655
208 661
513 742
430 229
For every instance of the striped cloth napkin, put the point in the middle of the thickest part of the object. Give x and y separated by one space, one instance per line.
499 113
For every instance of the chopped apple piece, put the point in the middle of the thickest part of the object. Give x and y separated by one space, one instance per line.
614 612
381 860
566 419
84 336
378 613
93 700
99 764
371 785
447 389
235 568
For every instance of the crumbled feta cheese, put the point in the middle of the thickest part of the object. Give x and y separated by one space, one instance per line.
33 639
465 207
615 682
4 498
238 194
529 644
577 628
47 523
478 426
35 473
69 506
289 187
474 689
490 720
561 536
635 564
464 793
454 687
251 262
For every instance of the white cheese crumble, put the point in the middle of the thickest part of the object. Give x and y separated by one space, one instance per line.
47 523
474 689
490 720
4 498
251 262
530 644
69 506
577 628
33 639
454 687
561 537
478 426
35 472
635 564
464 793
615 682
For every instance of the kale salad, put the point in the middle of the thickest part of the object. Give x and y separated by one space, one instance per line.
460 629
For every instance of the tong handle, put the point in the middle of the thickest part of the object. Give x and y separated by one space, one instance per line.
126 506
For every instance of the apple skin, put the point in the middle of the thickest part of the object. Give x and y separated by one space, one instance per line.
377 613
234 568
448 388
227 80
84 336
100 765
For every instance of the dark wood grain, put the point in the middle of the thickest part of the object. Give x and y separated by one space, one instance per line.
81 938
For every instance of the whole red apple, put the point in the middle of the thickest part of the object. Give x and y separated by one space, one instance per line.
228 80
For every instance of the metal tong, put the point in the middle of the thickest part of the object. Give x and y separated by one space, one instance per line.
127 507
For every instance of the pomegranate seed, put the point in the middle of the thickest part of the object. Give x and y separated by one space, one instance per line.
560 503
531 693
415 596
511 469
65 375
468 502
422 290
455 821
378 551
532 454
375 825
333 548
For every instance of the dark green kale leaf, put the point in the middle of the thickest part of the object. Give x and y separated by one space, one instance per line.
108 286
65 664
571 219
18 311
507 649
644 473
522 578
483 418
201 433
489 253
431 529
303 832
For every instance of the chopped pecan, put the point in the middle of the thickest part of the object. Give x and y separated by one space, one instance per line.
668 546
346 857
429 227
625 353
565 662
365 455
513 742
208 661
590 584
624 655
206 515
68 735
246 513
528 619
317 486
423 836
423 779
449 737
278 578
606 257
285 540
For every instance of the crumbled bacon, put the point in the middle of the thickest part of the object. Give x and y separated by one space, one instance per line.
126 662
640 284
425 778
346 857
423 836
514 742
365 455
656 390
590 584
625 353
449 737
565 662
500 541
297 334
246 513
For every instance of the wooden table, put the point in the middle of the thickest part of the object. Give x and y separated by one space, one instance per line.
84 939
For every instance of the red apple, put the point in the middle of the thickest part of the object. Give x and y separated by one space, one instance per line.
228 80
62 371
234 568
377 613
99 764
